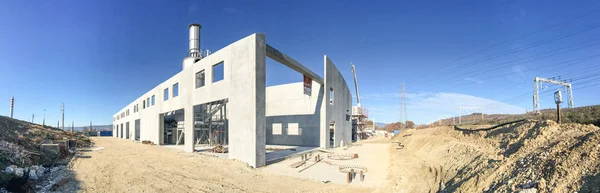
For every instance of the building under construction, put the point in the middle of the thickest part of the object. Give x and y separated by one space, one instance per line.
222 99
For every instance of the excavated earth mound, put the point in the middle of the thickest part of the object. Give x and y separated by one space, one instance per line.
540 156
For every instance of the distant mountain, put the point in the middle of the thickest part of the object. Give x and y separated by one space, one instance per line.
96 127
381 125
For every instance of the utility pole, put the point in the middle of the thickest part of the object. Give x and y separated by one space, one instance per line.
403 115
73 126
44 120
12 106
57 124
91 126
62 109
32 118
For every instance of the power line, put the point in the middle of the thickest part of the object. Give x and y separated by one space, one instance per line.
513 39
534 44
500 65
531 45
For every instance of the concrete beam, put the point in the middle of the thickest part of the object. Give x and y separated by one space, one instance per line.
293 64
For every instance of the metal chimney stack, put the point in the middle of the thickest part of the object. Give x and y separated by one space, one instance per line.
194 54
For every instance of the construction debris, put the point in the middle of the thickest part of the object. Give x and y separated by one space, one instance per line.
317 160
60 183
148 142
219 149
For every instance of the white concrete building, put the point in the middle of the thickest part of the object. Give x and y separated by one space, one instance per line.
222 99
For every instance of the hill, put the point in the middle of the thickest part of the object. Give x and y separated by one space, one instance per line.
583 115
380 125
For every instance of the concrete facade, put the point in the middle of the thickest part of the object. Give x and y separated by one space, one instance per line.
287 105
252 108
336 113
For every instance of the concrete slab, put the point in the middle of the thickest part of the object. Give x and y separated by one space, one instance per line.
374 156
276 153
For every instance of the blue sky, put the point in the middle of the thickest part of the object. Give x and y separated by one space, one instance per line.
97 56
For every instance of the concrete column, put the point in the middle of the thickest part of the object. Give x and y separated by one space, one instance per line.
247 101
188 123
161 128
324 125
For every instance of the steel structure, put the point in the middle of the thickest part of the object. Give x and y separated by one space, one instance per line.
537 85
355 85
359 113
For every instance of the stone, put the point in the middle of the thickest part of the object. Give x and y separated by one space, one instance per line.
10 169
19 172
529 190
41 170
33 175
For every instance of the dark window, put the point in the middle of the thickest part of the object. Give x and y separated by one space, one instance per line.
200 79
166 94
331 96
148 102
144 104
218 72
175 90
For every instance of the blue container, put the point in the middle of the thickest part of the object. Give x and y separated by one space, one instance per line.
106 133
396 132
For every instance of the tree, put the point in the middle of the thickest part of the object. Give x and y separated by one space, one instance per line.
410 124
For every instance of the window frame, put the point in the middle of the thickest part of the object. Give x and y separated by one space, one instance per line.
175 90
213 72
166 94
203 82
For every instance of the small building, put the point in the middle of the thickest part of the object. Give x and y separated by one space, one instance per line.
222 99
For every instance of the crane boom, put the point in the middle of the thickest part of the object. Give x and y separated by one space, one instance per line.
356 85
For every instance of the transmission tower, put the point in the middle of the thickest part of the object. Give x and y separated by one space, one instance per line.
538 85
403 115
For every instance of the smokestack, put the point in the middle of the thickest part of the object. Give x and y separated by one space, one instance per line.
12 106
194 53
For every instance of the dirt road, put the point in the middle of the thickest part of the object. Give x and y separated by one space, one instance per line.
125 166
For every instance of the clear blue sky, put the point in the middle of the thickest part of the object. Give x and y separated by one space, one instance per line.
98 56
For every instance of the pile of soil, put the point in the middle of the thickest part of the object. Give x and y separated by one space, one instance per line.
532 155
26 138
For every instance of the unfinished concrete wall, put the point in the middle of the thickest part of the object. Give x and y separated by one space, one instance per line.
295 115
243 84
338 110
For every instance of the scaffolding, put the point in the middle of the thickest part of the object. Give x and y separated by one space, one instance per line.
211 123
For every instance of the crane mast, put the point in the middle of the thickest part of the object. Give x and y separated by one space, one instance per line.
356 85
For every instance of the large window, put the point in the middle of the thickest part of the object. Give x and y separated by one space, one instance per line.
148 102
166 94
153 100
218 72
200 79
175 90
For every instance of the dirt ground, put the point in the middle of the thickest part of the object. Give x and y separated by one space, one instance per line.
125 166
538 156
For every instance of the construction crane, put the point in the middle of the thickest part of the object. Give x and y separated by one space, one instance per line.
356 85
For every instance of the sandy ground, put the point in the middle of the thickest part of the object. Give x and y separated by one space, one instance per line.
373 154
125 166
